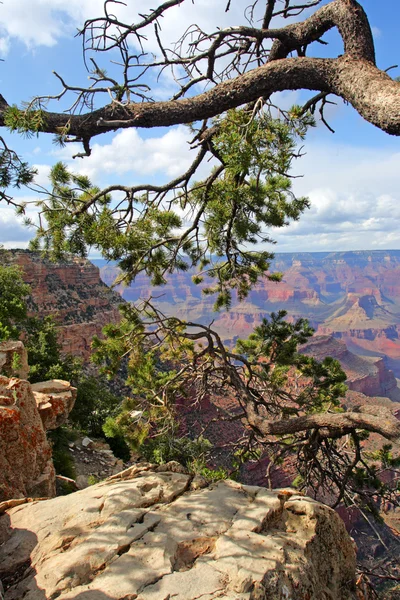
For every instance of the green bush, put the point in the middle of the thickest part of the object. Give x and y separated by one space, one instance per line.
62 459
94 403
165 448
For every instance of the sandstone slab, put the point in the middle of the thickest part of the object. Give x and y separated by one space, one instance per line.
145 535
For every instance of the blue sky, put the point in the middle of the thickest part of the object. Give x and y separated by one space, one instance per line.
351 177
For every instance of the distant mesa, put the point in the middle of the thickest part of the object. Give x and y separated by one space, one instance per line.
353 296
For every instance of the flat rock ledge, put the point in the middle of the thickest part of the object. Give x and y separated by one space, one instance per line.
156 533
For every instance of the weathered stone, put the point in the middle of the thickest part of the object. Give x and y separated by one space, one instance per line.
13 359
26 466
82 482
144 537
87 442
198 483
55 399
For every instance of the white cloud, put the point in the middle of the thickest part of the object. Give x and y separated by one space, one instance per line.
376 32
12 231
136 157
44 22
4 46
42 177
354 192
355 200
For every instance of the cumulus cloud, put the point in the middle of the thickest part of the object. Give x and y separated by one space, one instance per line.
42 176
137 158
12 231
355 201
44 22
4 45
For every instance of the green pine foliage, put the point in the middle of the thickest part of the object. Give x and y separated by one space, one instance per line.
230 212
62 459
44 352
26 121
13 293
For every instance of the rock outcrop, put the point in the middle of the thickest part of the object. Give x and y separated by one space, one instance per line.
149 533
55 399
71 290
26 412
13 360
353 295
365 374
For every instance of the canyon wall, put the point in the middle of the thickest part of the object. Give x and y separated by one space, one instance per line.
352 296
352 299
70 290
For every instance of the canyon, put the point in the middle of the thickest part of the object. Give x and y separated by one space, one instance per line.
72 292
352 296
352 300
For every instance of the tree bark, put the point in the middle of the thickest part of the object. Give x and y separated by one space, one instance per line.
336 424
353 77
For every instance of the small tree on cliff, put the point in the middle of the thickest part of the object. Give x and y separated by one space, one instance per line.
13 293
40 335
215 226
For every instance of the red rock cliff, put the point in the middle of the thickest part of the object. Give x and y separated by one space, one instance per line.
72 291
26 412
354 296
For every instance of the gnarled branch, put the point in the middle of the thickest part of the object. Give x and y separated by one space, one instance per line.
334 424
353 77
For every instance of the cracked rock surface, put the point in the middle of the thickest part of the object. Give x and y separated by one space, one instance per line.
146 534
26 412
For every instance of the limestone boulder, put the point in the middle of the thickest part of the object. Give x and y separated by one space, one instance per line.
55 399
13 359
26 467
145 534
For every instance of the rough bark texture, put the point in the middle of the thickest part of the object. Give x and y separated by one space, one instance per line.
353 76
376 419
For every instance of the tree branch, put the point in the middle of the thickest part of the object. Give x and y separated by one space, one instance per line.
336 423
353 76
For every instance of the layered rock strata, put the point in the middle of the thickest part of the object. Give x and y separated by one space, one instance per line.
365 374
26 412
150 533
70 290
353 295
